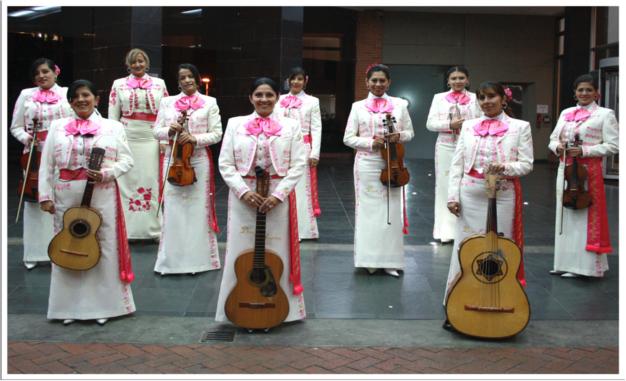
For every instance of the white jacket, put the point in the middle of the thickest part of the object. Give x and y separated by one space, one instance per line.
238 154
309 117
439 113
516 147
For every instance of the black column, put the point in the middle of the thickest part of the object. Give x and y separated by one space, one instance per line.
576 50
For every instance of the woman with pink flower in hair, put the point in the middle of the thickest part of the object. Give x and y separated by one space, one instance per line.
45 103
377 243
305 109
134 101
581 240
495 143
447 113
188 236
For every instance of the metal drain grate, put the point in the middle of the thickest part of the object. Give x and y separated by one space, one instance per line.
222 334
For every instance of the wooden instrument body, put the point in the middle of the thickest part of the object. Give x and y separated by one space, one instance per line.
395 174
181 172
488 280
76 247
246 306
575 196
31 177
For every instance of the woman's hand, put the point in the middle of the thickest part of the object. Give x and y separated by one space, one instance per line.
378 143
313 162
559 149
269 204
174 128
394 137
185 137
95 176
455 124
253 199
47 206
495 169
454 208
574 151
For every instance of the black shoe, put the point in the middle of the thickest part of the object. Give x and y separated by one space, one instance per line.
447 326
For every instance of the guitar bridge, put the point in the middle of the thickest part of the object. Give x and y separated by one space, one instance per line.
489 309
256 306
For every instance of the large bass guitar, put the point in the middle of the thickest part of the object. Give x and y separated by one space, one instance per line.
76 247
258 301
488 301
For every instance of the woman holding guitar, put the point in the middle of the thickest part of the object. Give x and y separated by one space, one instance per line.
43 103
447 113
380 217
272 143
494 143
104 290
581 239
188 238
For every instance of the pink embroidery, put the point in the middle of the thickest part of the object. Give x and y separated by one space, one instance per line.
141 200
113 97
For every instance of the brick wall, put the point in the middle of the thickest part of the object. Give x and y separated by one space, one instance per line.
369 47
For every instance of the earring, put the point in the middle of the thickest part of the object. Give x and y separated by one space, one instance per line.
128 70
448 85
504 106
180 88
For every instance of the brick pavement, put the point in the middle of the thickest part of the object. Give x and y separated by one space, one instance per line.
50 357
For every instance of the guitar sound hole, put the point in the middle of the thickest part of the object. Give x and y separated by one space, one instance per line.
79 228
257 276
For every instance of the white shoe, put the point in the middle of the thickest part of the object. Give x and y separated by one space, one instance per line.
371 270
102 321
392 272
30 265
569 275
68 321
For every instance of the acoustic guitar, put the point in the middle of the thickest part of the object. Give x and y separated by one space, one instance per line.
258 301
76 247
488 301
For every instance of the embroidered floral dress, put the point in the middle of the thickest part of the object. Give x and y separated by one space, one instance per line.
46 107
135 102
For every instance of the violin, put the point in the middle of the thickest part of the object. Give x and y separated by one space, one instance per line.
395 173
180 171
574 195
29 162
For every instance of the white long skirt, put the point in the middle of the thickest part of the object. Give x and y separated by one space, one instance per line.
473 219
376 243
37 234
96 293
140 186
240 237
445 222
307 222
188 244
570 254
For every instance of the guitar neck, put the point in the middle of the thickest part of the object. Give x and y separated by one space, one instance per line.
259 241
95 162
88 194
492 216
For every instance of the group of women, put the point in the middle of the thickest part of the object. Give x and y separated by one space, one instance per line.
282 138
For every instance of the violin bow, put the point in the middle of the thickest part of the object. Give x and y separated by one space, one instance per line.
182 119
33 144
564 168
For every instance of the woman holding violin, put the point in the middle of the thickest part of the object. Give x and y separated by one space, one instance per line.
447 113
495 143
272 143
134 101
375 123
37 107
582 136
306 110
103 291
191 123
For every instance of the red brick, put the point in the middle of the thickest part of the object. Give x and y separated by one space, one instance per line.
128 349
107 359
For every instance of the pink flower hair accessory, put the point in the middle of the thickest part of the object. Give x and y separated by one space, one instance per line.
57 70
508 93
367 69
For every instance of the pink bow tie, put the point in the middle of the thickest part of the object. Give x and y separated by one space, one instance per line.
268 126
139 83
291 101
81 127
46 96
377 105
580 114
490 127
458 97
187 102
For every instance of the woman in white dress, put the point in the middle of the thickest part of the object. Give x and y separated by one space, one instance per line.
305 109
377 244
103 291
188 236
134 101
582 246
268 140
447 113
495 143
46 102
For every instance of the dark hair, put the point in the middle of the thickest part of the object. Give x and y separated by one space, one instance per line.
77 84
296 71
378 67
461 69
498 88
585 78
264 81
38 62
193 69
